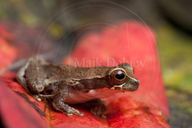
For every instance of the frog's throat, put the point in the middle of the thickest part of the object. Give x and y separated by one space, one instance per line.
118 86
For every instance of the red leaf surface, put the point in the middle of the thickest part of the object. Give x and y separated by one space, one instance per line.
7 52
130 42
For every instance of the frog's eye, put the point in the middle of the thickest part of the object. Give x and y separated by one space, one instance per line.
118 77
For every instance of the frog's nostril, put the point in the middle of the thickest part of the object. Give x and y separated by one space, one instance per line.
135 82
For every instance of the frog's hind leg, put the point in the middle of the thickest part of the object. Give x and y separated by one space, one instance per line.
35 76
22 80
58 102
97 107
20 76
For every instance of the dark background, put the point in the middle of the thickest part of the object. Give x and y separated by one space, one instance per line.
47 24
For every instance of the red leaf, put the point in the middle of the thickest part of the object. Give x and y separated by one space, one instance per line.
16 112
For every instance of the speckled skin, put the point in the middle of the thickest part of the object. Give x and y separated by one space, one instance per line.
67 84
35 77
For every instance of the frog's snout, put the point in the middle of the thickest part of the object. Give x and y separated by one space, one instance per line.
132 86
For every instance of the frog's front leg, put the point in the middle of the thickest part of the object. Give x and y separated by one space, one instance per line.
59 102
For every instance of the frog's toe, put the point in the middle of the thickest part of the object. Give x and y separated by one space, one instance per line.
75 111
36 97
81 114
69 114
103 116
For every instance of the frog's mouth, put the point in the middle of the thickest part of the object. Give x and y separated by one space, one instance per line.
128 85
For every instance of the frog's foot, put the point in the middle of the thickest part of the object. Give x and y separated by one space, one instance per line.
67 110
97 107
59 103
70 111
98 110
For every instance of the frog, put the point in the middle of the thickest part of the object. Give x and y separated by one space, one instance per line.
66 85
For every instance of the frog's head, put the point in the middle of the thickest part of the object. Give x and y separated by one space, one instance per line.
122 78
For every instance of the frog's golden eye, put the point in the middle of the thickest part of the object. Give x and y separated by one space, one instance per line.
118 77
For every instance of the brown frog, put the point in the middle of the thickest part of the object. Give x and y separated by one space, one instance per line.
67 84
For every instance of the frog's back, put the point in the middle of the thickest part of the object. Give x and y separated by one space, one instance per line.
68 71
